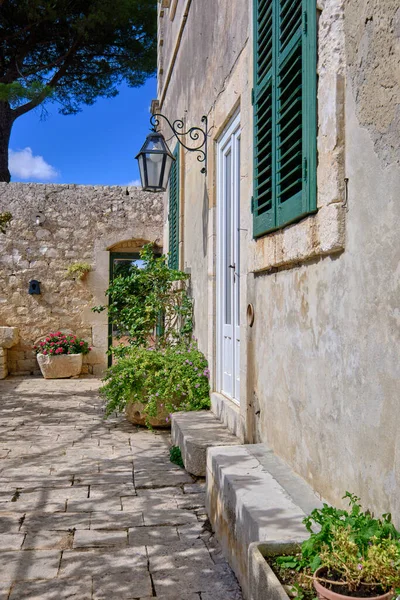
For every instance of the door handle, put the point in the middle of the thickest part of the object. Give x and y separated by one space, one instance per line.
231 266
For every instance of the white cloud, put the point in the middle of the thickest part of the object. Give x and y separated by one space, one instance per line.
135 183
25 165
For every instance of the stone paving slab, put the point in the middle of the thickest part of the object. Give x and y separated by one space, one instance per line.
11 541
62 589
49 540
99 511
25 565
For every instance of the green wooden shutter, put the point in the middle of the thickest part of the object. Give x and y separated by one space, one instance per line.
264 143
289 113
173 216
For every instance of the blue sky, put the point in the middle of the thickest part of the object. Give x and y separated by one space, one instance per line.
96 146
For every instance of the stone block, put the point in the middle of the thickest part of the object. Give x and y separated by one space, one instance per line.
195 432
49 540
54 589
133 583
253 495
11 541
99 539
229 414
8 337
151 536
31 564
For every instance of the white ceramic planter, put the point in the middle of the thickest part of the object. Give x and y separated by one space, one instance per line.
60 367
263 583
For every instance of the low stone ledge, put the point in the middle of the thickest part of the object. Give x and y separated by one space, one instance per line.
8 337
252 495
195 432
229 414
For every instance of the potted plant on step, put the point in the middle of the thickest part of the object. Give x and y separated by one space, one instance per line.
348 554
60 355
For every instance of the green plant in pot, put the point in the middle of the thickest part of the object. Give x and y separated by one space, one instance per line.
160 369
78 270
152 384
348 554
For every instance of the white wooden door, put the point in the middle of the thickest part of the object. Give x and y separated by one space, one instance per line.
228 261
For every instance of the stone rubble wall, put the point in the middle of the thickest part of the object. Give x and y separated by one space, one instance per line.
82 223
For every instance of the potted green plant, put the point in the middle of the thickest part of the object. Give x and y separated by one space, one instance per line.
348 554
151 384
60 355
78 270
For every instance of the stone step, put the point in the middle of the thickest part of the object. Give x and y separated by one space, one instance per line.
253 495
195 432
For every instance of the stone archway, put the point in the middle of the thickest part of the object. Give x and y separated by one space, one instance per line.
100 280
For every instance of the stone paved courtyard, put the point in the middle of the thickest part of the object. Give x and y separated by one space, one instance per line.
93 508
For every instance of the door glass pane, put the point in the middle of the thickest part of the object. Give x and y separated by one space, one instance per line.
237 234
228 239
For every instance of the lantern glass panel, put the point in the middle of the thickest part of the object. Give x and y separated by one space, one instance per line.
143 177
154 163
168 164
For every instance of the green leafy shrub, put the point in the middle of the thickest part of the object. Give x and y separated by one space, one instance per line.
355 549
175 456
149 303
174 378
78 270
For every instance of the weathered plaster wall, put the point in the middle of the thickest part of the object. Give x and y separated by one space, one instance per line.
373 56
82 223
327 333
319 369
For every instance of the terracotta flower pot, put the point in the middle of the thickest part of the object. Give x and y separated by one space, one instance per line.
61 366
324 594
135 414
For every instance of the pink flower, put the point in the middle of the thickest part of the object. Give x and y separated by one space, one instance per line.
359 567
89 348
44 351
81 343
59 351
48 339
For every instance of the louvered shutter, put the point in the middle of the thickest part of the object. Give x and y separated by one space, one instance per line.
264 142
173 216
292 102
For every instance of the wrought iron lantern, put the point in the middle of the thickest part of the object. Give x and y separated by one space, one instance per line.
155 158
155 162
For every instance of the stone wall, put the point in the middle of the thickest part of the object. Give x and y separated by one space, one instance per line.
81 223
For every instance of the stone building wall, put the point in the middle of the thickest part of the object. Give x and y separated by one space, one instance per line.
82 223
319 368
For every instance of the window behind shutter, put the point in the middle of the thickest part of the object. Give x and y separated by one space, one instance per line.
291 86
173 216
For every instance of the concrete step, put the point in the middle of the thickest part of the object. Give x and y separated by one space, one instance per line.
195 432
253 495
